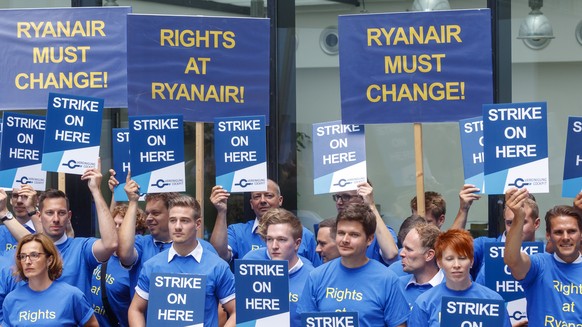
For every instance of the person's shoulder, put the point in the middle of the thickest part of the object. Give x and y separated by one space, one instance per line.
211 258
307 232
430 294
491 294
207 246
258 254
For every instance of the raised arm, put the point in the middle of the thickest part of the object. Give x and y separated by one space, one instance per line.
137 311
112 183
466 197
578 201
386 242
107 244
518 262
15 228
219 237
126 248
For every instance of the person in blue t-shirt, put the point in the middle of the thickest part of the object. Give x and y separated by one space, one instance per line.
44 300
236 240
186 255
116 281
454 253
23 202
383 247
134 250
551 281
282 232
80 255
354 282
419 260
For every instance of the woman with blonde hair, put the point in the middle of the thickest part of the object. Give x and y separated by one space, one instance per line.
43 300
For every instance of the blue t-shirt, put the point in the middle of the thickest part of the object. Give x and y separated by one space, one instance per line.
479 254
412 290
117 286
7 281
7 241
242 239
219 278
78 262
146 248
553 291
297 279
373 251
371 290
426 311
398 269
59 305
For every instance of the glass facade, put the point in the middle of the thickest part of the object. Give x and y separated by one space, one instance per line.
305 88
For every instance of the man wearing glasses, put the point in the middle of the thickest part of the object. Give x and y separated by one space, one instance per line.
383 247
234 241
23 203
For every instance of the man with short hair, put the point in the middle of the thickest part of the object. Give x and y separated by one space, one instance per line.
435 208
236 240
186 255
383 247
326 246
80 255
23 203
135 250
282 232
418 259
550 281
354 282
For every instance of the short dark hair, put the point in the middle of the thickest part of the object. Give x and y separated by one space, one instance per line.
407 225
165 197
434 203
328 223
563 210
358 212
52 194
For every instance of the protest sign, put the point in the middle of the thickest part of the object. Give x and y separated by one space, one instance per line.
73 133
157 153
461 312
330 319
572 184
499 278
262 293
516 147
176 300
472 151
22 141
213 66
415 67
79 51
339 157
240 151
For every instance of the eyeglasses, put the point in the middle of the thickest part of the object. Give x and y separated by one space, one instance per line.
344 197
34 256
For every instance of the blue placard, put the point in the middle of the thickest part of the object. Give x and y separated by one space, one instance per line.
572 184
262 292
415 67
22 142
516 147
213 66
64 50
157 153
472 151
240 151
73 133
121 161
460 312
176 300
498 277
330 319
339 157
